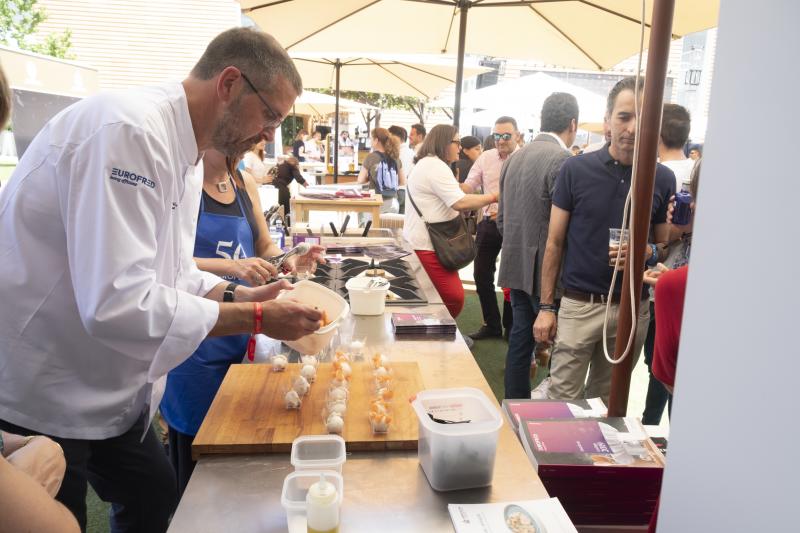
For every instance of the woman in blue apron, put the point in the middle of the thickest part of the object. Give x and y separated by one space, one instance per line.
228 241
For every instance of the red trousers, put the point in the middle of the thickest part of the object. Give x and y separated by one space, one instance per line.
447 282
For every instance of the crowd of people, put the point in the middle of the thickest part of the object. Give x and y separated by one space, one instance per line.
547 209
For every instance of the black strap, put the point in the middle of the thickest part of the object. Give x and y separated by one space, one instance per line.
227 296
408 193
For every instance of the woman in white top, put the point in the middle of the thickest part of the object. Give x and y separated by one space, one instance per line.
254 162
439 198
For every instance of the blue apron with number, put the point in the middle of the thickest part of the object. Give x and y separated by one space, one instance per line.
192 386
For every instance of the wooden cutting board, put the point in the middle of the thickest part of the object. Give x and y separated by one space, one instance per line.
248 413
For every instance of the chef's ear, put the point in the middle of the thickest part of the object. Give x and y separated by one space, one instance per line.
229 84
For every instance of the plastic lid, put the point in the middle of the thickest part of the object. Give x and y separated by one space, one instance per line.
363 283
462 403
318 452
322 492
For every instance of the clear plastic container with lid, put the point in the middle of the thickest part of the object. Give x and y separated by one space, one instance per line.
318 452
458 431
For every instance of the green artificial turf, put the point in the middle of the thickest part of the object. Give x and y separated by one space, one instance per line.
490 354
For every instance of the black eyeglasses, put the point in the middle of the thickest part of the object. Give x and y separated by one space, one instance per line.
456 141
504 136
275 119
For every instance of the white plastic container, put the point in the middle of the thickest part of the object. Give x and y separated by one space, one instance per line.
319 452
366 299
461 455
295 490
310 293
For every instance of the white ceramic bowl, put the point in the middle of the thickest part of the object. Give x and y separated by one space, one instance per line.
310 293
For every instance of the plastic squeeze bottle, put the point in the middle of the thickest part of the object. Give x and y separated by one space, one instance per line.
322 507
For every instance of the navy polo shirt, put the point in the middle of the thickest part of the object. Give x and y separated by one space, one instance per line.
593 187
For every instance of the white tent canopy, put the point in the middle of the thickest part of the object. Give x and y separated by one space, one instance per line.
522 99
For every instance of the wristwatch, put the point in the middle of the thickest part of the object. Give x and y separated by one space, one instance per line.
227 296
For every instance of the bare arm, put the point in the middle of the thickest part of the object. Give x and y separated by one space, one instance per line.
26 506
474 201
363 175
544 329
401 176
551 264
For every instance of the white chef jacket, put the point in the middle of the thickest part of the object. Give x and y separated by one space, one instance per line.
100 295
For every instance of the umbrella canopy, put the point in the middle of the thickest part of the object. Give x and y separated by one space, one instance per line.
311 103
585 34
594 34
385 74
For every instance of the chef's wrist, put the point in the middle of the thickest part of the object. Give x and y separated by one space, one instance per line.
243 294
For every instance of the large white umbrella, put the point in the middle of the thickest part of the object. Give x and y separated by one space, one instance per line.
319 104
585 34
420 77
379 74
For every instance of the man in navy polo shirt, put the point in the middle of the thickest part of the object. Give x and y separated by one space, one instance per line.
588 200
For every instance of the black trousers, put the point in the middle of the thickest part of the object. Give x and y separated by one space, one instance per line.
180 455
284 199
489 241
657 394
135 477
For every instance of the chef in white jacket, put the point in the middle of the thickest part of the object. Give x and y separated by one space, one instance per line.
100 295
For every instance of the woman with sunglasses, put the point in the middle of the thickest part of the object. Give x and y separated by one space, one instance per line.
438 197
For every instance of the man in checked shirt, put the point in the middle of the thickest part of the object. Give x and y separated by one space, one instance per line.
485 174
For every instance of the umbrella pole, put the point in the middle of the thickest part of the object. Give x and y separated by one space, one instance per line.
650 117
462 39
338 67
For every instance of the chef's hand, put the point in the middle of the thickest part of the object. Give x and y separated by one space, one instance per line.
544 329
288 320
307 263
651 276
254 270
261 293
43 460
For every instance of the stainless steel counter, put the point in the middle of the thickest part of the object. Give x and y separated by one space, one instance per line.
384 491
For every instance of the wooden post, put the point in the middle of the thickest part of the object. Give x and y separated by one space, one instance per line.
650 116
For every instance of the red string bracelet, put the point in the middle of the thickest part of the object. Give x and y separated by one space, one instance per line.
251 344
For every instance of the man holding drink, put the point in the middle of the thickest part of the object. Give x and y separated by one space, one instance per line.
588 203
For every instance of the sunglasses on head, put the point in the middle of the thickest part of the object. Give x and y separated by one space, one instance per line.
503 136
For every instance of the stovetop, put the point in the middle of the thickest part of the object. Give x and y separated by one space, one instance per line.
403 287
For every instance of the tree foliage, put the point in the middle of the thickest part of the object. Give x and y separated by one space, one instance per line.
19 21
382 101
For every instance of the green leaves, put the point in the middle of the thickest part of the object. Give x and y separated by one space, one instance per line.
19 21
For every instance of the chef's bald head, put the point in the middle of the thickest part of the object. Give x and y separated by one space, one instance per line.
5 100
255 53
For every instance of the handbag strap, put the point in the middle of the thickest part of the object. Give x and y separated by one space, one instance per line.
408 193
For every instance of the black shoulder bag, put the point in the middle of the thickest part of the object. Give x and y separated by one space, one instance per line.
453 244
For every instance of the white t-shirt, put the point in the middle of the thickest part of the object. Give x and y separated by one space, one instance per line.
434 189
255 166
682 168
101 296
407 159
